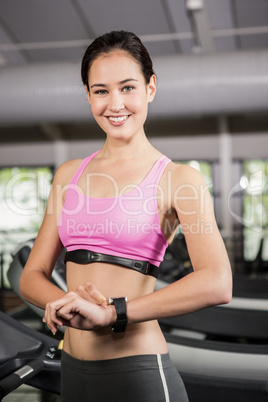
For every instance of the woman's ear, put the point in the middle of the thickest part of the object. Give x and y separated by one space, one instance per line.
151 88
88 94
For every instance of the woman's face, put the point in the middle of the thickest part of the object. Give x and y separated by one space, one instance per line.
118 94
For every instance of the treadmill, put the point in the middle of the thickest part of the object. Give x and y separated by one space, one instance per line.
27 357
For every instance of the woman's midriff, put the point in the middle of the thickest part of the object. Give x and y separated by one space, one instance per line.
103 343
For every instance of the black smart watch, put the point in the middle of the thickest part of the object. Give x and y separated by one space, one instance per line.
121 312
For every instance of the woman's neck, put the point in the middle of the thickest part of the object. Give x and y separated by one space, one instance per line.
115 149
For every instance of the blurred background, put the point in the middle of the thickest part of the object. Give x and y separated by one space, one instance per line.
211 111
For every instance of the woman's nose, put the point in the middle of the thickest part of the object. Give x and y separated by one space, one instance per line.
116 103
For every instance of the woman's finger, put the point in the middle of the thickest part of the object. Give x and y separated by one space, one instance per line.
51 316
65 316
103 302
89 291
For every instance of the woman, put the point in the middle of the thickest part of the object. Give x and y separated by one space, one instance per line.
115 212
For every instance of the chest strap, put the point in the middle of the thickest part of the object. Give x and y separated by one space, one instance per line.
82 256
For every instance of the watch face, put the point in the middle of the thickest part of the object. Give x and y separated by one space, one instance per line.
110 300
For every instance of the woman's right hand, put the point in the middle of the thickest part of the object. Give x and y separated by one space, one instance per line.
89 291
75 311
74 307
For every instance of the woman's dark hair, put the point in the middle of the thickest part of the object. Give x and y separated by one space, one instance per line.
117 40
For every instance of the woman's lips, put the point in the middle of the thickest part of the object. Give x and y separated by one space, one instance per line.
117 120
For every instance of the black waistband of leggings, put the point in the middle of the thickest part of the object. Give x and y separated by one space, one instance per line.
82 256
118 364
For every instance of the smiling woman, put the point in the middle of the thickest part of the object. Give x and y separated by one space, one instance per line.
116 211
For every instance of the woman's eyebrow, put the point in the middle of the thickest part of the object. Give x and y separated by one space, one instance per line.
98 85
120 83
128 79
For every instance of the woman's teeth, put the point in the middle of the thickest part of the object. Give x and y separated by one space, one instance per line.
118 119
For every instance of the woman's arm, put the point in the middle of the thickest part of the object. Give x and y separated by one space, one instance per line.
35 285
210 283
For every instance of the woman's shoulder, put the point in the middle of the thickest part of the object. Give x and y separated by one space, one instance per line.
184 174
66 170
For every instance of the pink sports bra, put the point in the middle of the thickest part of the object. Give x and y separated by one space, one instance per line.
124 226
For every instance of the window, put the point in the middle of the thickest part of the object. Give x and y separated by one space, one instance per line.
255 212
23 196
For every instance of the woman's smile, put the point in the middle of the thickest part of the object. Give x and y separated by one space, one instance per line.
118 120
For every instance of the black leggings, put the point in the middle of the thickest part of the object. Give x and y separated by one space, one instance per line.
142 378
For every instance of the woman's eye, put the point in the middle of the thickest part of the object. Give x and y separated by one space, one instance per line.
101 92
127 88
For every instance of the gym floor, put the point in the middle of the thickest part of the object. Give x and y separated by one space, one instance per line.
26 393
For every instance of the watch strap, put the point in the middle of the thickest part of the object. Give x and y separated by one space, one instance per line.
121 312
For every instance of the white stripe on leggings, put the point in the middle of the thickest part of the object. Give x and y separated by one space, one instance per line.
163 378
